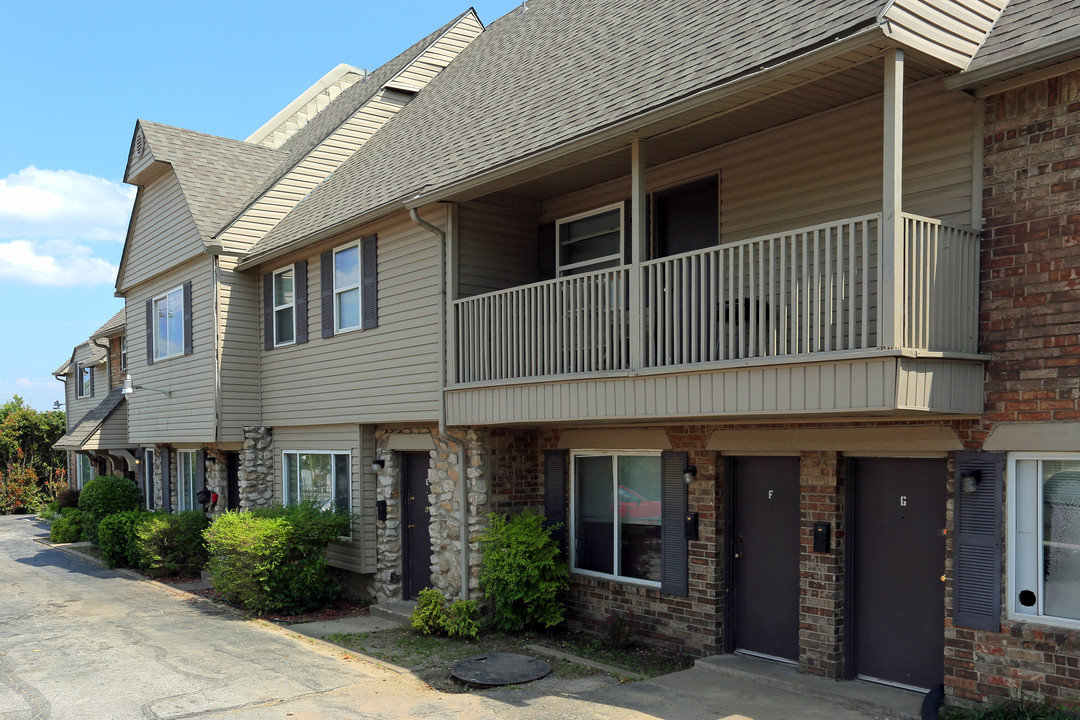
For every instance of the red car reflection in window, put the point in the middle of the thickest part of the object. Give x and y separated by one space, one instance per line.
635 508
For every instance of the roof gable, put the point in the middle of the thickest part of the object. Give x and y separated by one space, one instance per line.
331 137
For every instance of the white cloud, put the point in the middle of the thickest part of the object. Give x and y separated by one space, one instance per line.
29 384
54 263
63 204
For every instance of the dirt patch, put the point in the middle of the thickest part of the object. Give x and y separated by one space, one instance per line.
431 658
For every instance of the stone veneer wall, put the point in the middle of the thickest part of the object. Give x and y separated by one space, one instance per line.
217 472
256 476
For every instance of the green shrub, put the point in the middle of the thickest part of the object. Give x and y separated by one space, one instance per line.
68 527
273 560
68 498
463 619
522 571
171 544
117 540
106 495
50 512
1020 708
429 615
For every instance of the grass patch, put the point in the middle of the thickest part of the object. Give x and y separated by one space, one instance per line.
431 657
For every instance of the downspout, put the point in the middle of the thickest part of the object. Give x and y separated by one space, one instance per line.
450 440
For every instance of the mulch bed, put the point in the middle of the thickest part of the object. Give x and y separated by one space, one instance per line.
340 609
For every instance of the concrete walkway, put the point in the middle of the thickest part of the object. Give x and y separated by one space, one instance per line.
79 641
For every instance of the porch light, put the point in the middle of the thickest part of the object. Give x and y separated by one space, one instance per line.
377 464
689 474
57 405
130 387
969 481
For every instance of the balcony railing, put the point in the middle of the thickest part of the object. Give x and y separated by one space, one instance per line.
794 295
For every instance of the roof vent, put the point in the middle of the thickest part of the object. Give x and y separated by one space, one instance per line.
398 86
140 144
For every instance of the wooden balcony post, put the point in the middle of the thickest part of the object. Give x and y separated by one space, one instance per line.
891 265
638 230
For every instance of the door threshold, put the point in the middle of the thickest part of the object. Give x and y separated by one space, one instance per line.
764 656
893 683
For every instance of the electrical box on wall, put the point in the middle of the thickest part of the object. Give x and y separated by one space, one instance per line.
380 510
691 526
822 537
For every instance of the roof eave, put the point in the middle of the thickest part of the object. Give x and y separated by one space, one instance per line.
1014 65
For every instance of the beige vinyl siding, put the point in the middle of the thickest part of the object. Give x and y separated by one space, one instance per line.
822 168
484 261
190 414
75 406
137 164
952 30
385 374
359 441
860 386
113 433
164 234
268 210
238 335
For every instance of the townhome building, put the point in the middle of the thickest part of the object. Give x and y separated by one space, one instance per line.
769 306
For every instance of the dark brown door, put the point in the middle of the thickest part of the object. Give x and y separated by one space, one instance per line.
416 545
899 549
232 481
766 556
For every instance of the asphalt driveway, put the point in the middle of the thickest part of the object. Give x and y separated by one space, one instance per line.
77 641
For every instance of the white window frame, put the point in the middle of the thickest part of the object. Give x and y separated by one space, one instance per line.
284 306
82 387
80 472
154 330
561 270
1013 559
338 291
333 453
123 352
574 455
185 486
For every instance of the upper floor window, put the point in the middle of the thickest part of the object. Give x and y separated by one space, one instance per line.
123 352
687 217
84 381
591 241
347 288
284 307
169 324
1044 507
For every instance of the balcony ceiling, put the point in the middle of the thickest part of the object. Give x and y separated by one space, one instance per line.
834 83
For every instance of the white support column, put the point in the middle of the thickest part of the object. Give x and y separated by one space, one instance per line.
639 233
891 253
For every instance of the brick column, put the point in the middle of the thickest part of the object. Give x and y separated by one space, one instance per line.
821 575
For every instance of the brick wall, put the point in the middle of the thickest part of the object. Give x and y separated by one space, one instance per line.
1030 323
116 375
515 465
821 576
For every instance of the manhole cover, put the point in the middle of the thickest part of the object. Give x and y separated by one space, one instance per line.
500 669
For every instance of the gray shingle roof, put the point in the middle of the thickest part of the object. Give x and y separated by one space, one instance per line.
90 422
556 72
337 113
113 326
216 174
1026 26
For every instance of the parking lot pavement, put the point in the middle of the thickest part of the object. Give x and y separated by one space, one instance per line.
79 641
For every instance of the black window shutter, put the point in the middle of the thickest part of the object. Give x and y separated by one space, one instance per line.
977 559
91 388
188 344
148 474
166 479
268 311
548 248
674 560
200 469
555 494
150 332
300 300
326 279
369 281
628 234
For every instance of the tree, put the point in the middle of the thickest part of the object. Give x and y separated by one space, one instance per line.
32 432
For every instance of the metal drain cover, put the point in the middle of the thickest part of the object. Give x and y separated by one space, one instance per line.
500 668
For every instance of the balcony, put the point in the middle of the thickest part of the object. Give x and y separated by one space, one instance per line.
800 296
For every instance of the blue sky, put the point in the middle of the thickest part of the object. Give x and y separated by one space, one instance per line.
74 78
